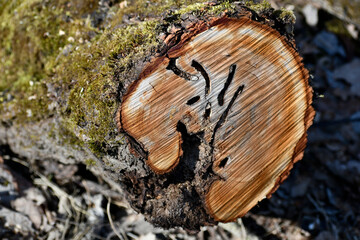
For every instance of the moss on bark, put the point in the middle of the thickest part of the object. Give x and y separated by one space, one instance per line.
57 61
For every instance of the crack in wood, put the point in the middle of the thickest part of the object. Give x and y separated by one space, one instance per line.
200 68
134 144
193 100
179 72
190 77
137 146
187 76
225 113
207 110
223 162
231 75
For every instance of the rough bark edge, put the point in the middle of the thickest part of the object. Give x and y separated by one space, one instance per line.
301 145
309 113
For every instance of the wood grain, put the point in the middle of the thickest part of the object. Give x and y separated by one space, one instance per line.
239 86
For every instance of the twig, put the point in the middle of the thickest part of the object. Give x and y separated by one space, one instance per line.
59 193
82 234
111 221
66 227
132 235
22 162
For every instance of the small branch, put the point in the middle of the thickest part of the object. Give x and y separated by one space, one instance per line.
111 221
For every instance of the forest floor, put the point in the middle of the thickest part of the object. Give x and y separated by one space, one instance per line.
320 199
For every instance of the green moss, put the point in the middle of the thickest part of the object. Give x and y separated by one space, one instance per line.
34 32
337 26
88 74
68 137
287 15
190 9
157 7
90 162
283 15
200 7
221 8
54 45
259 7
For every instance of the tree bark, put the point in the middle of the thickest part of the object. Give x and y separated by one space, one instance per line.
197 115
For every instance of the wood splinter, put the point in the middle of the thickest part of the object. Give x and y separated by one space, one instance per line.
242 90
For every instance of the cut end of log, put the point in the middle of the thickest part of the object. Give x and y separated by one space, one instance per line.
242 89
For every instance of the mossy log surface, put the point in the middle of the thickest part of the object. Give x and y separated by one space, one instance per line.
65 75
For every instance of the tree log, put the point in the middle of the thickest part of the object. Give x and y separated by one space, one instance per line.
197 115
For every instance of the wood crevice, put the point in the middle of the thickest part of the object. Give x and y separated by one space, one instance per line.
195 64
223 116
179 72
229 79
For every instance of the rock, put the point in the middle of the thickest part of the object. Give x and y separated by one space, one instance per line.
30 209
350 72
349 171
329 43
16 221
311 14
94 209
352 31
300 188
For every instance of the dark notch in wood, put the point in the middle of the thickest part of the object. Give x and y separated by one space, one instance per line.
138 147
135 145
207 111
193 100
223 162
179 72
187 76
226 112
231 75
200 68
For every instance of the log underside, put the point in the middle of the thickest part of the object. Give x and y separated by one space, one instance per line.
225 112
